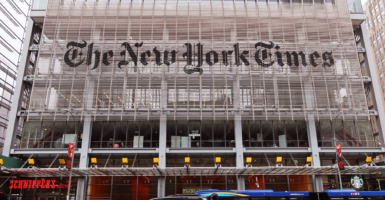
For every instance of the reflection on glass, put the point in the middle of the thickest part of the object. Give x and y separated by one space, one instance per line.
40 4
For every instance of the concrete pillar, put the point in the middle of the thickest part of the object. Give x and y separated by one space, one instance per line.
239 150
18 92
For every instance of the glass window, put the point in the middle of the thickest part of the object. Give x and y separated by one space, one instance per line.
374 43
279 133
383 63
142 134
246 137
376 8
379 65
381 77
380 4
120 139
277 183
383 36
378 39
207 134
381 50
256 136
375 22
267 132
379 18
372 11
50 135
382 14
108 135
3 75
377 54
324 134
219 134
291 134
133 134
187 134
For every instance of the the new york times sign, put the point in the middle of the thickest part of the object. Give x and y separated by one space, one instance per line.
263 51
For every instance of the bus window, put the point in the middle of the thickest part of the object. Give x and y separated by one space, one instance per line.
277 198
336 198
258 198
298 198
356 198
241 198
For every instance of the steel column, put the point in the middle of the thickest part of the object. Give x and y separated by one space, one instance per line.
162 154
312 135
375 86
87 126
18 92
81 190
239 151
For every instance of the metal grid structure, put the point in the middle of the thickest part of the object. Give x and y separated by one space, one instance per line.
196 171
14 17
119 60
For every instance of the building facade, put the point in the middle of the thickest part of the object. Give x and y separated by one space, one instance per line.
375 14
13 20
198 79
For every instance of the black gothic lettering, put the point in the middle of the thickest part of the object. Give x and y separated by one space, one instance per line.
165 57
143 57
105 57
200 55
122 62
328 56
236 54
264 54
267 46
224 57
74 54
131 52
123 53
97 59
208 58
303 58
89 56
188 54
243 58
212 57
240 56
288 58
312 59
279 56
157 57
190 71
75 45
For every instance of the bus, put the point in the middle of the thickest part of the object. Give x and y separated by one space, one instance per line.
347 194
256 195
351 194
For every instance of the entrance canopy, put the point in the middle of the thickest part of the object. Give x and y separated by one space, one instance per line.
194 171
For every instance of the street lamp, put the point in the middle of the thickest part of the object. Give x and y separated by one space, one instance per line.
73 156
335 146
